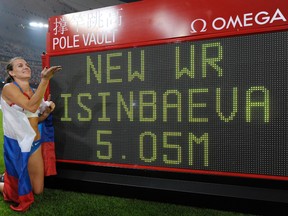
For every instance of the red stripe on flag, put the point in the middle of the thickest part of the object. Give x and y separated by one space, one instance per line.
10 193
49 158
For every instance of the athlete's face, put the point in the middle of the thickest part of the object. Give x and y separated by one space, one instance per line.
21 69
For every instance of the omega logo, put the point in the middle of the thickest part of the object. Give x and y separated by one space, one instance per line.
238 21
204 25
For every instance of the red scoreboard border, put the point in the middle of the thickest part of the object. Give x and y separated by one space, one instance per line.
150 22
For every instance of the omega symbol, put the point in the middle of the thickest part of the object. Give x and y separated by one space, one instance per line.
204 24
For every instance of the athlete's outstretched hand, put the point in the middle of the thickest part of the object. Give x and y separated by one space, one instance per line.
47 73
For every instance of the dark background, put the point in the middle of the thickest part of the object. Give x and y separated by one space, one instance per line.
237 146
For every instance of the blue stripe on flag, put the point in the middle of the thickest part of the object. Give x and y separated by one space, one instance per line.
16 163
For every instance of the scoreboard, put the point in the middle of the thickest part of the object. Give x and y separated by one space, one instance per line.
186 88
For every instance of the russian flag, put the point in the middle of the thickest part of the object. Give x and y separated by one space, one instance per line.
17 186
18 139
48 146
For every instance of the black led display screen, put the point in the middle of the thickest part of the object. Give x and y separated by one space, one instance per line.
212 105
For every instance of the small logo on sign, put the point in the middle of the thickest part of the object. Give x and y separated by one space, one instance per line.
201 22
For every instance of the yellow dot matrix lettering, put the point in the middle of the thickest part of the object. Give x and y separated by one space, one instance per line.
90 66
132 75
104 117
111 68
172 147
103 144
153 157
235 105
196 105
190 72
211 61
66 117
87 109
151 104
193 139
254 104
121 103
176 106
